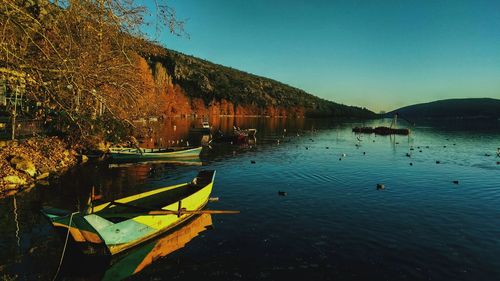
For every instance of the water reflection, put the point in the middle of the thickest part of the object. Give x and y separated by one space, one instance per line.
176 131
77 267
343 227
184 162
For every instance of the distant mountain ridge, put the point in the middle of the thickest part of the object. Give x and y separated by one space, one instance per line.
467 108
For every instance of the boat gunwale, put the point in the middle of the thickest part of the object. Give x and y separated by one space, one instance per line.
138 196
143 151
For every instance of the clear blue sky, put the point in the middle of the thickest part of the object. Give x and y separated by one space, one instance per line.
376 54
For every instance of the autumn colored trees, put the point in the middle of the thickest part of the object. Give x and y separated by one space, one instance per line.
80 58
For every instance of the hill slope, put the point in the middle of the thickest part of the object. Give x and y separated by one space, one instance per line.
217 88
452 108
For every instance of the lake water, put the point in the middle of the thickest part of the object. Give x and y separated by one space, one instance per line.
333 223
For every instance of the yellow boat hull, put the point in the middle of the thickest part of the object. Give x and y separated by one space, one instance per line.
122 224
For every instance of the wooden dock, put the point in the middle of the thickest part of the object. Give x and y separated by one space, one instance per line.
381 131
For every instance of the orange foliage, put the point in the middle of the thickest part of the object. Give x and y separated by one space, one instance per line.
162 97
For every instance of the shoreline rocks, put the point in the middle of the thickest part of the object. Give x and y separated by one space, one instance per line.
24 163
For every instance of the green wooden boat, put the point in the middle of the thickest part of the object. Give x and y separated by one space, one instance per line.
130 153
115 226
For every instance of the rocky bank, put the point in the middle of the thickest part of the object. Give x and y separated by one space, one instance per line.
32 161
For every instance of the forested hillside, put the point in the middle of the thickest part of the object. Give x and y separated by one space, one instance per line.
453 108
214 83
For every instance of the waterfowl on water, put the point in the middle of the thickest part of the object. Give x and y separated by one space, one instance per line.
380 186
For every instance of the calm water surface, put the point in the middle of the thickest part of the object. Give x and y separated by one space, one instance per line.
332 225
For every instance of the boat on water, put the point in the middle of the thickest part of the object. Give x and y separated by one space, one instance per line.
239 136
131 153
115 226
205 128
248 133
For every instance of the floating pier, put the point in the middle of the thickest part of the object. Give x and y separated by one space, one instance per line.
381 131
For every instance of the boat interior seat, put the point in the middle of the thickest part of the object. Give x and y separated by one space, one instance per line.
98 222
160 200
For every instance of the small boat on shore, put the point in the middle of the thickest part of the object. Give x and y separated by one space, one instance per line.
132 153
115 226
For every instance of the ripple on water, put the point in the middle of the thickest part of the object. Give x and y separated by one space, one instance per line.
332 224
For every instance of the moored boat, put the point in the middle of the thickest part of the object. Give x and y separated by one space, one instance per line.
205 128
115 226
249 133
239 136
154 153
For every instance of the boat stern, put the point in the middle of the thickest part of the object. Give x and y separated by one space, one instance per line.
204 177
82 236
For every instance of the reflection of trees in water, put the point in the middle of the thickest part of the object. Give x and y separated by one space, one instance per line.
166 132
176 131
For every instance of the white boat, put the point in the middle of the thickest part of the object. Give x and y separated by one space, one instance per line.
154 153
205 128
